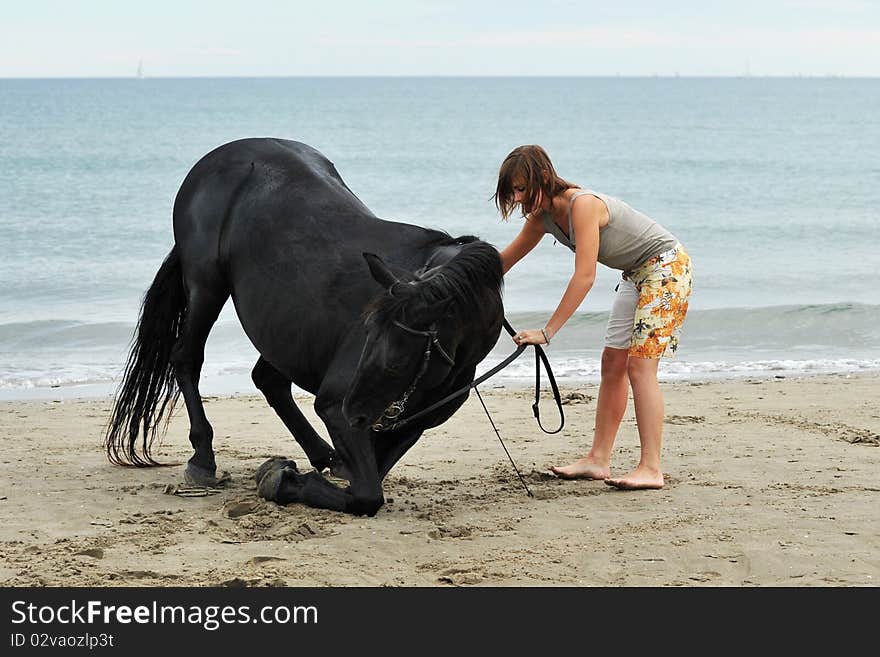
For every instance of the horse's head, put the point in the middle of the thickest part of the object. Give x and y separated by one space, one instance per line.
412 338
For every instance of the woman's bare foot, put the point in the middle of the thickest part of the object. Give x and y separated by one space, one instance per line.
641 478
585 468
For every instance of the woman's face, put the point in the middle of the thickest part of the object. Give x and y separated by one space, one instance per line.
519 190
521 194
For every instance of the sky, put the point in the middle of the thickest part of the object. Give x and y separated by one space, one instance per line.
180 38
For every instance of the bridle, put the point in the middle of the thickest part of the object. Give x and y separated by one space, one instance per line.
395 409
389 421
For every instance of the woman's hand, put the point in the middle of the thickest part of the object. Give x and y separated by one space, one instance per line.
535 336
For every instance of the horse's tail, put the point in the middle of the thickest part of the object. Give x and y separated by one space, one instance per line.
148 390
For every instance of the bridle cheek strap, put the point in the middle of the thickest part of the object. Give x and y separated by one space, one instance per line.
395 409
431 334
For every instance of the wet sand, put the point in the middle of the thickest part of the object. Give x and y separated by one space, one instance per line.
769 483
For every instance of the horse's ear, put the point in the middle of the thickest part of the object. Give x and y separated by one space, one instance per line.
385 274
380 271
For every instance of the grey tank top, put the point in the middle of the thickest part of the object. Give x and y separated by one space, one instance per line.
629 239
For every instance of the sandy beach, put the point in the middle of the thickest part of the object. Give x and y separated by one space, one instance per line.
769 483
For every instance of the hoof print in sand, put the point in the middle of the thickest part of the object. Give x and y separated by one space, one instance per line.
461 576
450 532
239 509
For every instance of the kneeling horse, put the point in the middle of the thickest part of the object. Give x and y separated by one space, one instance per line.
377 319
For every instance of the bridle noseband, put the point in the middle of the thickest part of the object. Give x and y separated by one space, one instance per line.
395 409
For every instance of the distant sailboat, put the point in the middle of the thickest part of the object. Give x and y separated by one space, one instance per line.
140 71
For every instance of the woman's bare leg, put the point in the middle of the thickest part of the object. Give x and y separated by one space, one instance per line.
648 400
610 407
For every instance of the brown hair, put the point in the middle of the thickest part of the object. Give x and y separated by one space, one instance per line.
529 162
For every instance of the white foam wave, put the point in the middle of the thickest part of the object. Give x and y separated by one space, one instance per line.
578 369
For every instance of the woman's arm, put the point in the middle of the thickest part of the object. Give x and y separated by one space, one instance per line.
528 238
585 221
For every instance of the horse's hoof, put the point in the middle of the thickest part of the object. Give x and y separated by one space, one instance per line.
326 462
339 470
271 476
275 462
195 475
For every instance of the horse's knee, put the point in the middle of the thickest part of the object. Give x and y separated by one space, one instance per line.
366 505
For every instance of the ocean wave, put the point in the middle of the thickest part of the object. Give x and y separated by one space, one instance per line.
853 328
716 343
589 370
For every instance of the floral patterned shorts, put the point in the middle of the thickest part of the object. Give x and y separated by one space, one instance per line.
651 304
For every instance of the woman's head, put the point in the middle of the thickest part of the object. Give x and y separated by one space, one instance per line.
526 178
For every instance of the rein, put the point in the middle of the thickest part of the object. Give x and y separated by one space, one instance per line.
396 409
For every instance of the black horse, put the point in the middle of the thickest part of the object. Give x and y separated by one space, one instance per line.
375 318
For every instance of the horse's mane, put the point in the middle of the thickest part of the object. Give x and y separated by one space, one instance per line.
470 279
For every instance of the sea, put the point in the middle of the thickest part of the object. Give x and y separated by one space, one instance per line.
772 184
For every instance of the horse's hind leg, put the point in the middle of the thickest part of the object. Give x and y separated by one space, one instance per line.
276 388
203 307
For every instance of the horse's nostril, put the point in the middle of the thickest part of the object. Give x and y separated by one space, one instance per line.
358 422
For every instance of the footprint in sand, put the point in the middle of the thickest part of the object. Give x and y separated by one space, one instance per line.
684 419
264 559
461 576
239 509
450 532
94 553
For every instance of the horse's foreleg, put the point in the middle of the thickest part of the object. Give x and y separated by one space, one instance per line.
276 388
279 480
356 449
390 449
187 356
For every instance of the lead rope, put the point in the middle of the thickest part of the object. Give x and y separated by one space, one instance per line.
497 433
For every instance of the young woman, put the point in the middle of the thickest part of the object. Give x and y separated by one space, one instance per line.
647 314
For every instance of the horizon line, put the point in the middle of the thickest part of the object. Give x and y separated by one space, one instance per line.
452 75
